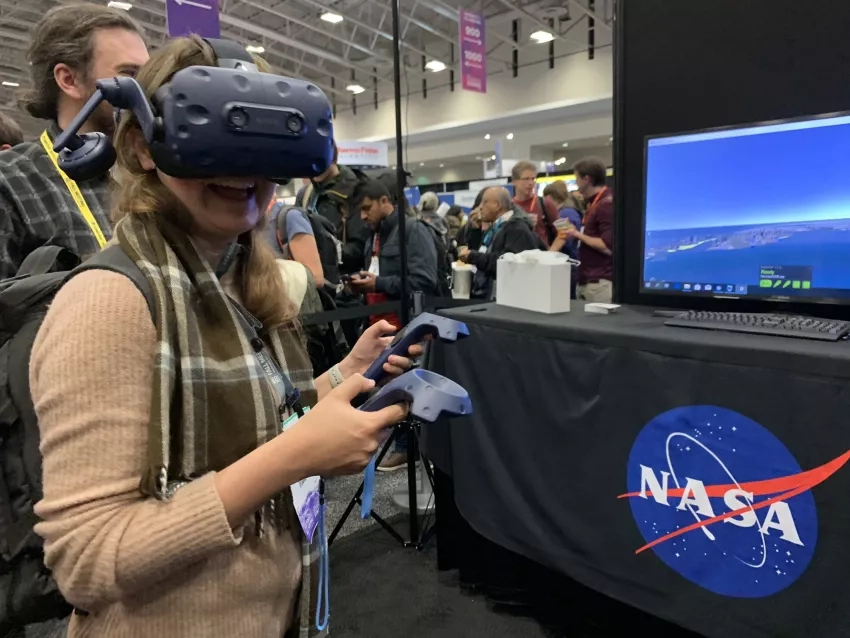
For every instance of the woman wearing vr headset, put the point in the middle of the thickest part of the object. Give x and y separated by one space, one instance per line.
167 509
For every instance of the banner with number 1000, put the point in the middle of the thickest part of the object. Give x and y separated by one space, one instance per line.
473 51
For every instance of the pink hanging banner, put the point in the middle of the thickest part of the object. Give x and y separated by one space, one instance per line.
473 51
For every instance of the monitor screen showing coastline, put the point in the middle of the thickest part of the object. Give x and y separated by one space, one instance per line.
760 211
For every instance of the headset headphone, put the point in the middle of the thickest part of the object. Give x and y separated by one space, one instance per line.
228 120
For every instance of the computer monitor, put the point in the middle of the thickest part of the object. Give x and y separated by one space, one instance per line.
759 211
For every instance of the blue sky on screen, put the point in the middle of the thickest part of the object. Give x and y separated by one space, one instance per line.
789 176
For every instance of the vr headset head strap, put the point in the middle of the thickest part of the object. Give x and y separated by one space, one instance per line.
231 55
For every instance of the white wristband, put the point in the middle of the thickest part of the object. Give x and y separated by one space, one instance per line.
335 376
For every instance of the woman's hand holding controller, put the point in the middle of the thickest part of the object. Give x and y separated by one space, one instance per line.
340 439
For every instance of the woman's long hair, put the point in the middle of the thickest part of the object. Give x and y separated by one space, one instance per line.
140 192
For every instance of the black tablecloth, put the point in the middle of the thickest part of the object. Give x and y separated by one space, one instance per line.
574 419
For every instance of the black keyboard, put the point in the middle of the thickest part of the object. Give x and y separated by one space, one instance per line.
764 324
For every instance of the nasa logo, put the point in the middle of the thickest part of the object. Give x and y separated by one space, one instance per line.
723 502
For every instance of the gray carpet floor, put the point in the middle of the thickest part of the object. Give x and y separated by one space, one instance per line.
380 589
338 493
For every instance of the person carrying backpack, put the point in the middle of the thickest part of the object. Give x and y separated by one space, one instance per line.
444 259
160 404
427 211
308 238
42 208
299 235
331 196
437 226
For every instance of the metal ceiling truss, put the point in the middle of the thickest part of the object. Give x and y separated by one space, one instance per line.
279 58
545 26
447 12
599 20
243 25
296 41
376 31
514 9
347 43
451 39
283 60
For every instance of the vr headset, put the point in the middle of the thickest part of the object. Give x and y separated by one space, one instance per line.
224 121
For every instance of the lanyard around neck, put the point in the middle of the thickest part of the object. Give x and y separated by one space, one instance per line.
289 394
597 198
227 260
76 194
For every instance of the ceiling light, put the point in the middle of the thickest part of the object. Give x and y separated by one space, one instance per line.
492 157
355 88
610 139
560 160
565 144
115 4
542 36
441 165
255 49
487 137
436 66
5 83
333 18
421 163
510 136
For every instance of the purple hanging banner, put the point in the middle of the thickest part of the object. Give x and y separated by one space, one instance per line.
185 17
473 51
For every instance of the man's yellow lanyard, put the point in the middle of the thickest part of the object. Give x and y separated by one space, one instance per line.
76 194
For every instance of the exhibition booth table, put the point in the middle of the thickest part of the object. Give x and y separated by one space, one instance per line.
697 476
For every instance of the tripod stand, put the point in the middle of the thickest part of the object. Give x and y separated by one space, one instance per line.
420 494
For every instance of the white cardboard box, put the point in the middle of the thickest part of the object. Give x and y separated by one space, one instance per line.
538 287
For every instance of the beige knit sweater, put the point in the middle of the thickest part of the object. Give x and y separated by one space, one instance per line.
140 567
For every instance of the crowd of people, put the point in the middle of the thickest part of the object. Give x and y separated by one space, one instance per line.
165 466
578 224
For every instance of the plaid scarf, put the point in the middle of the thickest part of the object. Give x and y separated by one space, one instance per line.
212 403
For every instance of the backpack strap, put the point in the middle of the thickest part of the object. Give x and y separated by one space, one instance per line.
281 211
306 195
114 259
46 259
25 441
278 212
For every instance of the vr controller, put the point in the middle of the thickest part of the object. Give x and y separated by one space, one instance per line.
429 394
230 120
425 325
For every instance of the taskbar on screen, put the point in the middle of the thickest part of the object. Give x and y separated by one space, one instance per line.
780 289
705 288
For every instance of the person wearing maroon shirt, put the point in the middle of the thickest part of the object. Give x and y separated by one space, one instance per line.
596 272
542 212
